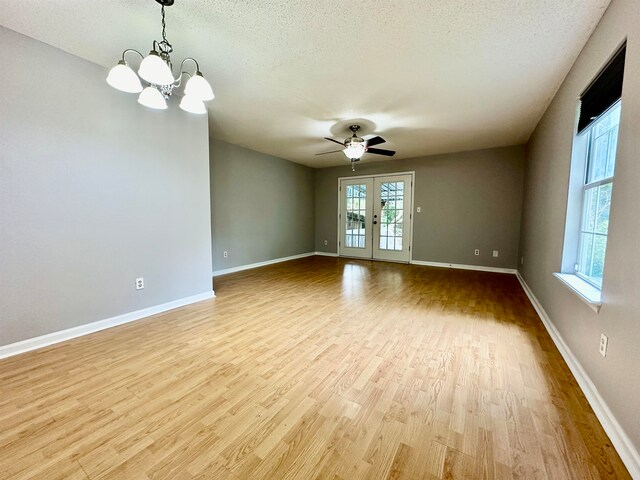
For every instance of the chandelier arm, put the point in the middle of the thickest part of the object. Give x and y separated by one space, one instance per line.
193 60
178 81
131 50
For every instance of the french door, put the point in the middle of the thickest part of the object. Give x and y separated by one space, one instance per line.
375 217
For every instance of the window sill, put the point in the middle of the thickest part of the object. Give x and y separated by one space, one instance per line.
585 291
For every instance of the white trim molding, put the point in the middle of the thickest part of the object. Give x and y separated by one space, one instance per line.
621 442
64 335
585 291
464 267
333 254
249 266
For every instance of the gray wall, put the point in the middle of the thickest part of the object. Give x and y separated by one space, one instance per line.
468 200
95 190
547 178
261 206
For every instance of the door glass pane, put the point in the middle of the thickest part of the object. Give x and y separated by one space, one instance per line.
356 215
391 215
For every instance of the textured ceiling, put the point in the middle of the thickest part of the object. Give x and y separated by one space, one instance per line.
431 76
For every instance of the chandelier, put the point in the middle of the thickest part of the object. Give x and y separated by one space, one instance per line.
156 71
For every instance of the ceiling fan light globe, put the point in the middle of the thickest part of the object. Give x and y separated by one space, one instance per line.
199 88
192 104
155 70
122 78
152 98
354 150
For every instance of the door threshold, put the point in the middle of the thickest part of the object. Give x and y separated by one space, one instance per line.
374 259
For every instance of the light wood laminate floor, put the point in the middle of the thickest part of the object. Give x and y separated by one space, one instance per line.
317 368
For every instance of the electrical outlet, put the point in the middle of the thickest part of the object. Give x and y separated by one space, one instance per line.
477 251
418 209
604 342
495 253
326 242
225 254
139 283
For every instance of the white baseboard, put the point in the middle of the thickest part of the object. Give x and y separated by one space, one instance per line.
326 254
240 268
464 267
63 335
623 445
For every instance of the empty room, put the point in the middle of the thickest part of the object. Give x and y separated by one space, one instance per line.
302 239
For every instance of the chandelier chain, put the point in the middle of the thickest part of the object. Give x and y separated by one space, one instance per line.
164 46
164 26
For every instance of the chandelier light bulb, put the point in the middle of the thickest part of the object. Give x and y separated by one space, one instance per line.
122 78
192 104
155 70
152 98
198 87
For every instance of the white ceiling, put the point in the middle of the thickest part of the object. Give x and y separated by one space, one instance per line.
430 76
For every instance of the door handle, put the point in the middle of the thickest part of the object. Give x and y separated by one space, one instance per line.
375 222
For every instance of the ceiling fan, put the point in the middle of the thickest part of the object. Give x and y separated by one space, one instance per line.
355 147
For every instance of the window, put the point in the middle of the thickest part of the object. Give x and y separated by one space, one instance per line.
591 179
602 140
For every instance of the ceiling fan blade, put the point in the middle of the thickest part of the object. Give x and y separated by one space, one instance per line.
335 141
324 153
381 151
375 141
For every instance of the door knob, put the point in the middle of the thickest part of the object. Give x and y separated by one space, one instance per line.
375 223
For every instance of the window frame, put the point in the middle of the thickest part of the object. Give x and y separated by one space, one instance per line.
587 186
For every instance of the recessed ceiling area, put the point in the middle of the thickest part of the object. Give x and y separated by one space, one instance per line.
429 76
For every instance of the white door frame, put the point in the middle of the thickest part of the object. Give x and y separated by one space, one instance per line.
413 207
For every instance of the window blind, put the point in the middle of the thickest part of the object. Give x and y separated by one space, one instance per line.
603 92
